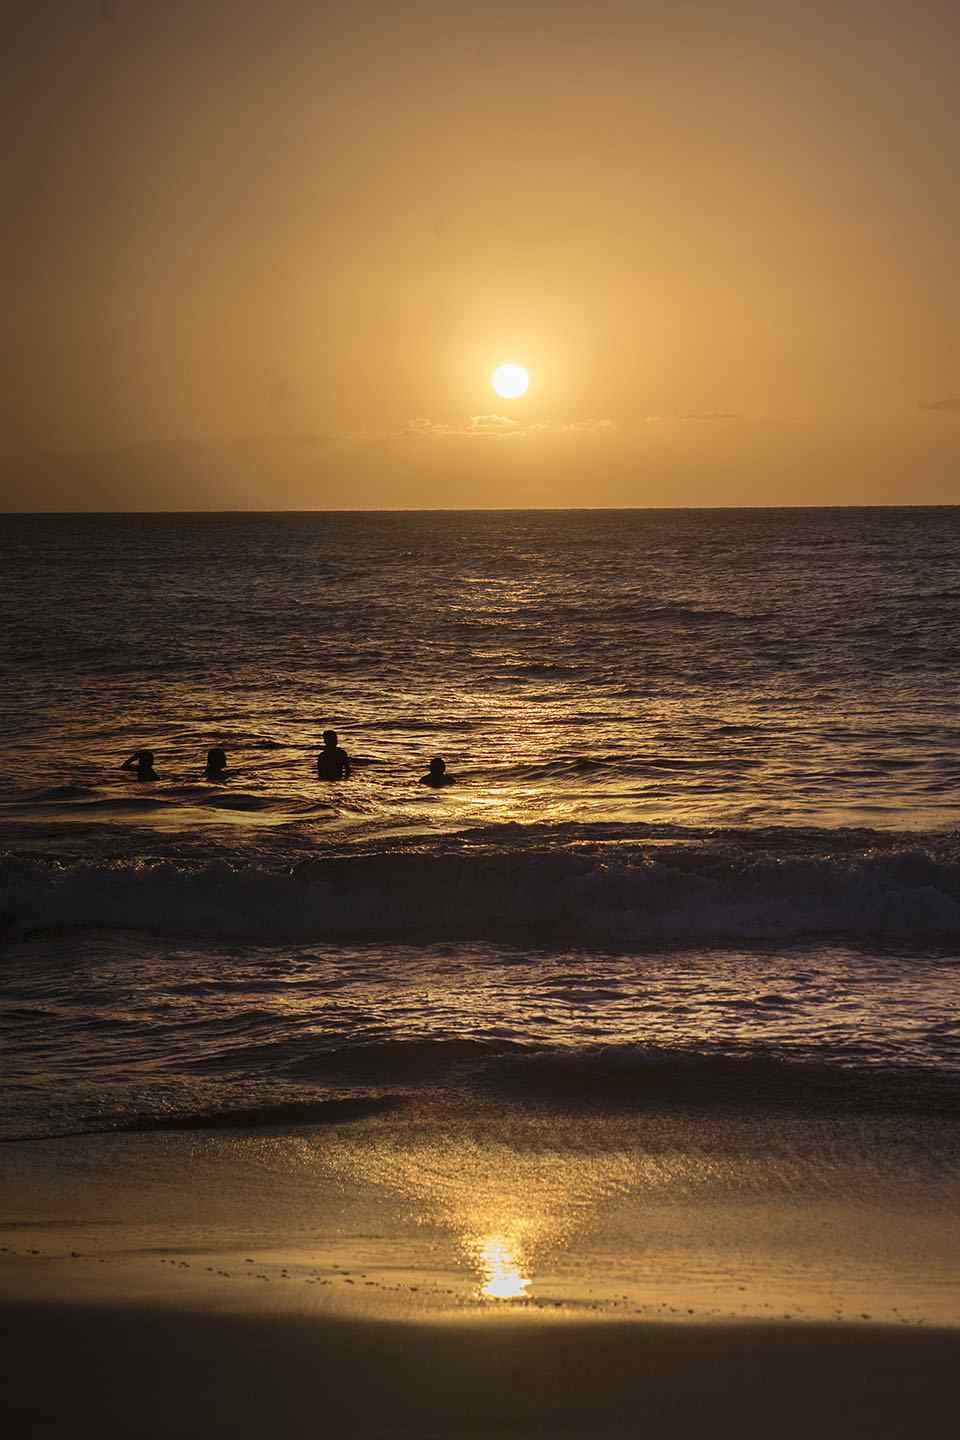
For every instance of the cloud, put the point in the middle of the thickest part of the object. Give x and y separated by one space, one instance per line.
689 417
590 427
422 426
502 427
495 425
492 425
951 403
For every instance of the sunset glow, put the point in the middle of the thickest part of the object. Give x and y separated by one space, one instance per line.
303 248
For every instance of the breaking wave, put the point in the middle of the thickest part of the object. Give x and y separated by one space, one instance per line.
523 888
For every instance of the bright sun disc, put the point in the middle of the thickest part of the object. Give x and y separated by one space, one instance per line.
510 381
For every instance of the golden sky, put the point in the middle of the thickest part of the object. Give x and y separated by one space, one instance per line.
277 247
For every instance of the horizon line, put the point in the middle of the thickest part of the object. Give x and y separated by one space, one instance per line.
496 509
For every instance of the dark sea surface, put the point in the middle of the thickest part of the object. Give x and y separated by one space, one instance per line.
703 841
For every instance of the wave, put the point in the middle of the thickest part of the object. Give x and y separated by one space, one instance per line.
650 613
339 1111
56 793
81 800
601 1079
632 1077
522 885
430 725
621 767
532 671
627 1075
234 800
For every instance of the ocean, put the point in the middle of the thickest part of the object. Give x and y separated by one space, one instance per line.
702 847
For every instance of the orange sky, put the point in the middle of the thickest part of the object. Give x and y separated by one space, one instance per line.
722 238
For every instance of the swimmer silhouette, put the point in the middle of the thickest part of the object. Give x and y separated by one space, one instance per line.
143 760
216 763
332 762
437 777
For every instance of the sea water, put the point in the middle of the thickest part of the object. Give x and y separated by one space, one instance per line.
702 842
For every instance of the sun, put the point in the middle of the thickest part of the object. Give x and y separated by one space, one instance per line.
510 381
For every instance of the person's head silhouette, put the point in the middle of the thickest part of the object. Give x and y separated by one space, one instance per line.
142 762
333 763
216 760
437 777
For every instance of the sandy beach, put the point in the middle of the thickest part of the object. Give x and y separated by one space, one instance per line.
134 1370
368 1279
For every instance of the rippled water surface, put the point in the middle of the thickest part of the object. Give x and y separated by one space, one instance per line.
743 666
708 788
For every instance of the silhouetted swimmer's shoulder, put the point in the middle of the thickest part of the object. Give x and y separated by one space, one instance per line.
333 763
216 768
437 777
142 762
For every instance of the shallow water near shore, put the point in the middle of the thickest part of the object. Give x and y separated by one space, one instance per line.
115 1031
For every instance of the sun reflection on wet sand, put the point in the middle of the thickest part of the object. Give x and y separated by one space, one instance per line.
501 1266
509 1210
669 1217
